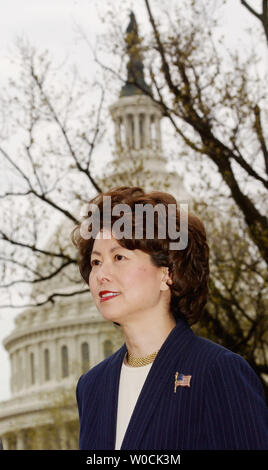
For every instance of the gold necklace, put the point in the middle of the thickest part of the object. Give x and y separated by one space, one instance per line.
140 361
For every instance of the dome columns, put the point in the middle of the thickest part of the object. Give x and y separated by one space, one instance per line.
137 124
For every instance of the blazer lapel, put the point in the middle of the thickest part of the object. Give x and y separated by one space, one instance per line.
108 417
162 371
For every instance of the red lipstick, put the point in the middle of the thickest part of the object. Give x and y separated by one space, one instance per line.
107 295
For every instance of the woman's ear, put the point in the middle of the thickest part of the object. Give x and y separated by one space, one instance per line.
166 278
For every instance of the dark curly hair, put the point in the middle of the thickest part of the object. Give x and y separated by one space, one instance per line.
188 268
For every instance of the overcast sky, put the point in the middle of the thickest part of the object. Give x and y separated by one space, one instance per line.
52 25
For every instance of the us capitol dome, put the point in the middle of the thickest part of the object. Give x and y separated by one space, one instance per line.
52 345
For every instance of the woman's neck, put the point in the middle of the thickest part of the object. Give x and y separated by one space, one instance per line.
145 338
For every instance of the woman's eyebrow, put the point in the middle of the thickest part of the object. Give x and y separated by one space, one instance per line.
111 250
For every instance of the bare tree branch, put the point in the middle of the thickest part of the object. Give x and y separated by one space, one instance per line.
5 238
63 131
218 152
42 197
97 130
47 300
39 279
251 10
262 17
259 132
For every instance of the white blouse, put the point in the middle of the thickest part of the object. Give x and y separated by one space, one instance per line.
130 385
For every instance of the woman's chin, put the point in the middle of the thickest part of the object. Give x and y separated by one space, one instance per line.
110 316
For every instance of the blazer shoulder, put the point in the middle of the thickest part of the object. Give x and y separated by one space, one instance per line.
226 368
234 397
96 371
208 352
220 356
213 358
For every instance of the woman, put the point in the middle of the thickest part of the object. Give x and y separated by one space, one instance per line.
165 388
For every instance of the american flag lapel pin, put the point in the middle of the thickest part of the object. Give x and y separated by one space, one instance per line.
181 380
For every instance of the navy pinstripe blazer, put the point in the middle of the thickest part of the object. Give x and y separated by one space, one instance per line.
224 407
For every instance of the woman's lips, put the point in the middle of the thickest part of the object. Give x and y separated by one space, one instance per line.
109 297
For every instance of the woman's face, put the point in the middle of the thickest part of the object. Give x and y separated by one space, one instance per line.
141 286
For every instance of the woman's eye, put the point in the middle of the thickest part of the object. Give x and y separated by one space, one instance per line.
94 261
120 255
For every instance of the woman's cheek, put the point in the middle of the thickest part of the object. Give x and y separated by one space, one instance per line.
136 276
91 283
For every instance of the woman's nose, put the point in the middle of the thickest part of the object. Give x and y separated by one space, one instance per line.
104 271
